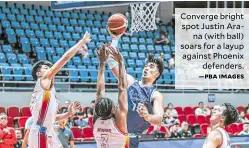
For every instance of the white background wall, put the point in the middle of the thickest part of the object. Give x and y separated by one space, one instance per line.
178 99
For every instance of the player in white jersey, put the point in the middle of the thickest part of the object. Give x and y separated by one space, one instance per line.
222 116
44 103
110 126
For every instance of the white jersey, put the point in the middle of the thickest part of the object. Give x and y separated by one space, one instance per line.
225 138
107 135
43 106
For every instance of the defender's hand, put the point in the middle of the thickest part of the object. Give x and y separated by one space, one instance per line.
116 55
103 54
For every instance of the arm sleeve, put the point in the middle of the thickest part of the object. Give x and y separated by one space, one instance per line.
111 62
13 140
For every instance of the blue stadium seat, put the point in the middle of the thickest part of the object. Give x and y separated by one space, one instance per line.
59 51
11 5
89 23
139 72
103 31
142 41
166 64
3 4
43 27
20 32
141 55
126 39
159 48
102 38
2 58
134 47
89 17
6 24
32 12
47 20
15 11
34 42
49 13
19 5
131 63
86 61
44 42
29 18
39 34
11 58
22 58
30 33
98 44
49 34
65 21
63 43
133 55
95 30
41 13
11 36
15 24
109 38
94 37
142 48
170 29
71 43
27 74
77 60
76 36
156 34
24 11
81 23
20 18
78 29
18 72
52 28
150 34
167 56
134 40
172 42
58 35
97 24
113 79
61 28
66 14
56 21
83 73
67 36
95 61
25 44
93 73
73 22
104 23
139 63
105 17
39 19
46 8
125 47
7 48
73 73
149 41
6 71
131 71
173 48
142 34
2 16
74 15
69 29
82 16
54 43
33 26
58 14
172 74
11 17
98 17
125 54
150 48
55 58
37 7
50 51
6 10
91 45
163 28
87 29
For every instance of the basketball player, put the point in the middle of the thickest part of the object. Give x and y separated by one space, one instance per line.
145 103
44 103
222 116
110 127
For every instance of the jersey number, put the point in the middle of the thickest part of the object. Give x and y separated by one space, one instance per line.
104 143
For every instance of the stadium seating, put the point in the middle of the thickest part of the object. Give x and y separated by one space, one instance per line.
76 133
13 112
22 121
25 111
87 132
203 128
2 109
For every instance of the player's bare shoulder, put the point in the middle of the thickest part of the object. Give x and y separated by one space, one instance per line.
214 139
157 96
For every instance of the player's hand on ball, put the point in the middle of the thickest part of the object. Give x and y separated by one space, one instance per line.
142 111
113 35
116 55
103 54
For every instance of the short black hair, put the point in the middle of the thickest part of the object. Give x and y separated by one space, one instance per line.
157 61
103 108
200 103
230 113
93 101
37 67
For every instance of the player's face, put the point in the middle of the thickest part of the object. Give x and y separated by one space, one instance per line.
3 120
217 114
150 71
43 70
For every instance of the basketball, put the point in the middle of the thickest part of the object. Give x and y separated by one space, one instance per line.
117 23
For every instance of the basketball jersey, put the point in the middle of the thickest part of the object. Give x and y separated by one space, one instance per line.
225 138
44 106
107 135
138 94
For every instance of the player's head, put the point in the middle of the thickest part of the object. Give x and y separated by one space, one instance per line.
225 114
153 69
3 119
246 127
104 108
40 68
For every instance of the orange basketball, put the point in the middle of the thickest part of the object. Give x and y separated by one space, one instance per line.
117 23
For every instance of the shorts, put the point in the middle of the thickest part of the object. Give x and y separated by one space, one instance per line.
134 142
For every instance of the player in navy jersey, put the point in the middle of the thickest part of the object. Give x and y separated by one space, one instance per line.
145 103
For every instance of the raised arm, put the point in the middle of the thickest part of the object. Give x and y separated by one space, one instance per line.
72 109
67 56
213 140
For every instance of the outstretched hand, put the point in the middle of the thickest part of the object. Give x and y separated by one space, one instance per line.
116 55
74 108
113 35
103 54
86 38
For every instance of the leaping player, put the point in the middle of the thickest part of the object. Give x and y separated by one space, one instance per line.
44 104
222 116
145 103
110 127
